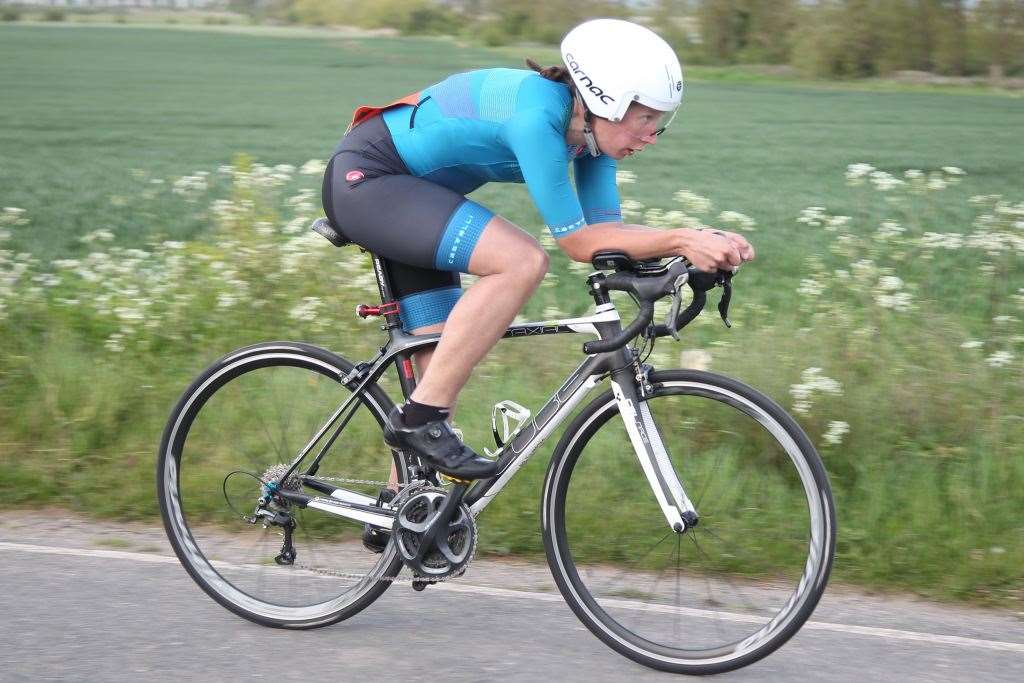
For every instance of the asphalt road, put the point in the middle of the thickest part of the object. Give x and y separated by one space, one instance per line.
78 605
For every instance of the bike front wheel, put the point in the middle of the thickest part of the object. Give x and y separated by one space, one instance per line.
720 595
236 429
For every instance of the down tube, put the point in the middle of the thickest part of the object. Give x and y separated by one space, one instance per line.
515 453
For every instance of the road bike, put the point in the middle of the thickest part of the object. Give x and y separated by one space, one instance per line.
687 519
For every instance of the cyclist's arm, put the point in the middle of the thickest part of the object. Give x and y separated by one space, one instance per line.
638 241
539 146
598 193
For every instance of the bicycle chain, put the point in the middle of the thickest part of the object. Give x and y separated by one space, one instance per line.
410 486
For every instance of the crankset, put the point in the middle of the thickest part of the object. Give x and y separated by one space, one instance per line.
435 533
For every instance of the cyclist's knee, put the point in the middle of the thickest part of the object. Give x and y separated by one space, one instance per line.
534 263
506 248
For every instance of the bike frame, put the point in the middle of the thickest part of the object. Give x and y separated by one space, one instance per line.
630 387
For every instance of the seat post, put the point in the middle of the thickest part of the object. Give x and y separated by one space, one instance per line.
390 313
403 362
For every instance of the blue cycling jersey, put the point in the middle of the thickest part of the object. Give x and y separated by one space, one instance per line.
506 125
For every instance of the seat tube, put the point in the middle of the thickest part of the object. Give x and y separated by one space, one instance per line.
651 452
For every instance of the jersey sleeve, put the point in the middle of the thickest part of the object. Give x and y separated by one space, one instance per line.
598 193
540 150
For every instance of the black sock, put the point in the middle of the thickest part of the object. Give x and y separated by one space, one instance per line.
416 414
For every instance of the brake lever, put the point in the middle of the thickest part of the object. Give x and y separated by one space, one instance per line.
723 304
693 310
677 300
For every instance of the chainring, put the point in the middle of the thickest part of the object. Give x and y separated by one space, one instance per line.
451 553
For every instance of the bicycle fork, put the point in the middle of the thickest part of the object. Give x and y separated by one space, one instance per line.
651 452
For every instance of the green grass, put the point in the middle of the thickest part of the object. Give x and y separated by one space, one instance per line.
928 482
85 105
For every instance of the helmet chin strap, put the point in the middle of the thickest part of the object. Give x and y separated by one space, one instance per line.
588 132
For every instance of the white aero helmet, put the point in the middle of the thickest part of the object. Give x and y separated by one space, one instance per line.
614 63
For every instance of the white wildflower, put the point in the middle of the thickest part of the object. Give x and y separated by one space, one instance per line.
810 287
884 181
936 182
307 310
941 240
833 223
173 245
982 199
856 173
889 283
692 202
953 170
100 235
812 382
295 226
13 215
115 342
226 300
913 174
698 359
313 167
630 208
813 216
625 177
737 219
990 242
1004 319
1000 359
47 279
888 230
898 301
191 186
972 344
836 430
863 269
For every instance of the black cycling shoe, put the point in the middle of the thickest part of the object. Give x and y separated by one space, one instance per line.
375 538
438 446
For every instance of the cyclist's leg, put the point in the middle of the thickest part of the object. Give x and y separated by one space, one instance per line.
510 264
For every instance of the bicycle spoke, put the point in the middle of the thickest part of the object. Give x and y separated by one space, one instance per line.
252 419
753 501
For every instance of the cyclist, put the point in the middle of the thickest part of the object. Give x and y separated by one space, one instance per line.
396 186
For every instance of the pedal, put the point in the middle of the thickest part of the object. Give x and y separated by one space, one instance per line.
513 416
418 586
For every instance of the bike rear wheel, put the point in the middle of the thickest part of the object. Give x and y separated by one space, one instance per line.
730 590
245 418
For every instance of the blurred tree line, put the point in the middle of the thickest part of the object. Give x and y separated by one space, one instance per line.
827 38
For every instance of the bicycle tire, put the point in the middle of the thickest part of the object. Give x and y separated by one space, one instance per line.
207 535
598 577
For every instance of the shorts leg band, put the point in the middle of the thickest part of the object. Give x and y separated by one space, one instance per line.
427 308
460 236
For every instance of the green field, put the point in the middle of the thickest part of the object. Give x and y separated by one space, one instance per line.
98 123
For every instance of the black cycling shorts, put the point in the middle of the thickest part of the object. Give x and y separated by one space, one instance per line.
424 231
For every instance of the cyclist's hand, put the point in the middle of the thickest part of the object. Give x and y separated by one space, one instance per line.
710 251
740 242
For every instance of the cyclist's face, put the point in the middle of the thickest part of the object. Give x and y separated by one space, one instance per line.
637 129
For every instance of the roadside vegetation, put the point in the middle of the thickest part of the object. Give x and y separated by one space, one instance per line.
885 309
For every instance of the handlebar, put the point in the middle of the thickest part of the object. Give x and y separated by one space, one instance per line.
649 283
